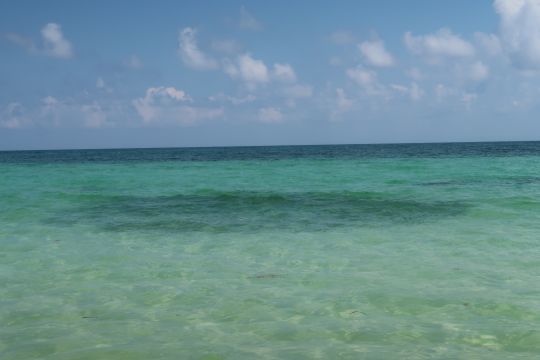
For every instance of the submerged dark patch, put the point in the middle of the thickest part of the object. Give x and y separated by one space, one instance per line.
240 211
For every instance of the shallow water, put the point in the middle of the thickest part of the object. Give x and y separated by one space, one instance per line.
376 251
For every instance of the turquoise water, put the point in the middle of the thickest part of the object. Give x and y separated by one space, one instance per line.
334 252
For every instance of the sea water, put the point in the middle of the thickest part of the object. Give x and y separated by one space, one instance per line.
413 251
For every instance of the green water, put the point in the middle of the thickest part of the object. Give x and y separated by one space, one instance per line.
392 253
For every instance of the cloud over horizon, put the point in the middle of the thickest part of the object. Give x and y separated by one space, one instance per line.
204 71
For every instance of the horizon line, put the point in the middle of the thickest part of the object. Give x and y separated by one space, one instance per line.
274 145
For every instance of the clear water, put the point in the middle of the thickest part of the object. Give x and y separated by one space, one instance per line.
378 251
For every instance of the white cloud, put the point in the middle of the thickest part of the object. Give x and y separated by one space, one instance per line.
442 91
59 113
478 71
168 106
341 104
342 101
102 85
439 45
367 79
53 110
520 31
414 92
191 54
54 42
13 116
270 115
232 99
375 54
248 21
248 69
149 106
94 116
284 72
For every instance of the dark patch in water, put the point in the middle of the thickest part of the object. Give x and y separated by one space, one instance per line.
241 211
523 180
442 183
265 276
517 180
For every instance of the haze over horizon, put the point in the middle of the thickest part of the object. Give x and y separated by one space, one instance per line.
128 75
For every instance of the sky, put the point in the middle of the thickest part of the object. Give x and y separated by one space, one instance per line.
115 74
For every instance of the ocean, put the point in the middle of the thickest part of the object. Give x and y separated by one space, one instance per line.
406 251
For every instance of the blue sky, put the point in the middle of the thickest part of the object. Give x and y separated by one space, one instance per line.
211 73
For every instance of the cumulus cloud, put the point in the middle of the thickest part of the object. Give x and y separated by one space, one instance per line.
284 72
149 106
167 105
248 21
367 79
270 115
375 53
520 31
190 53
54 42
439 45
248 69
